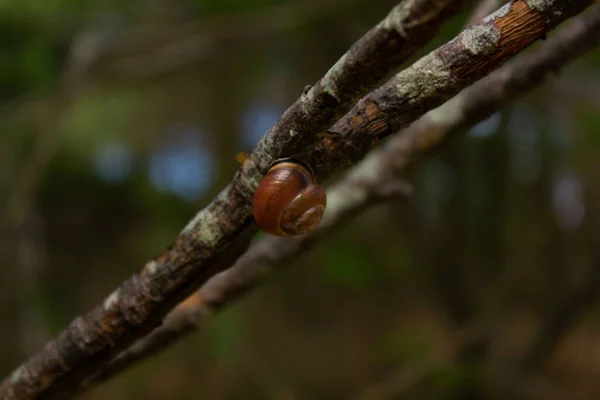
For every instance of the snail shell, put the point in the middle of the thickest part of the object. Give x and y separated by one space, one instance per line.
287 201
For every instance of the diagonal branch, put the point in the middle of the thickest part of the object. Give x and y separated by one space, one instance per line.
220 232
379 170
363 187
435 78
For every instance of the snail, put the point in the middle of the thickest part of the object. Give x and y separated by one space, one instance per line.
287 201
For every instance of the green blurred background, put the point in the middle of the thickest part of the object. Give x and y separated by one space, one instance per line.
119 120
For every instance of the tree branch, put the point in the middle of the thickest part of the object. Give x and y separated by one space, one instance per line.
363 187
435 78
221 232
380 169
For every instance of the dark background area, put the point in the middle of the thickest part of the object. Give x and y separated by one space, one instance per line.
119 120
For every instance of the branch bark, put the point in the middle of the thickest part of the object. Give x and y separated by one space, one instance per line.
371 182
435 78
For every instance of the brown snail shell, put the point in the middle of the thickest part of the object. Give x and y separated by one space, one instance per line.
287 201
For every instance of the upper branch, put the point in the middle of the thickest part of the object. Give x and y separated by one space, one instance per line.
437 77
406 28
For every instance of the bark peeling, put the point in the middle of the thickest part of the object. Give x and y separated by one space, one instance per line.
482 39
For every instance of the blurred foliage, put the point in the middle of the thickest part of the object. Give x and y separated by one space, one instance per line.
450 378
224 337
31 55
348 267
100 118
588 123
406 347
228 6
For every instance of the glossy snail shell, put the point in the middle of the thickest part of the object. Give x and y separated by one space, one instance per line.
287 201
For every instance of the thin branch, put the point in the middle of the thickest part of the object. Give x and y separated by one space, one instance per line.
380 169
363 187
370 60
435 78
222 231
